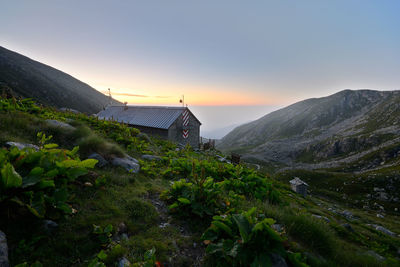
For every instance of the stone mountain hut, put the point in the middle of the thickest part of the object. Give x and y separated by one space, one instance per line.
177 124
299 186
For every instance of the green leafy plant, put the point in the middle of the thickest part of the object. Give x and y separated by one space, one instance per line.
103 234
38 180
202 197
245 240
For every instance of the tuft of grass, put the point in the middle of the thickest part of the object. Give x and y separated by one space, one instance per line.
20 127
94 143
141 211
310 232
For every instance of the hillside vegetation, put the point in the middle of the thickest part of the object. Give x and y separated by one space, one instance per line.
49 86
182 208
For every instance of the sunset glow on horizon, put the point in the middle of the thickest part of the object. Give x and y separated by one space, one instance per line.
215 53
203 97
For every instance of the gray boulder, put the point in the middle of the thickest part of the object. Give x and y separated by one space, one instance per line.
3 250
348 227
50 226
21 145
122 228
101 161
347 214
128 163
60 124
124 262
151 157
277 260
277 227
384 230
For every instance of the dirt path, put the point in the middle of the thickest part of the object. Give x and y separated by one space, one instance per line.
191 253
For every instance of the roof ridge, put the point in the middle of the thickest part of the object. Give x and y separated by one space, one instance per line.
132 106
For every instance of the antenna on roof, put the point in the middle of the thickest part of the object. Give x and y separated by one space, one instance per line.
109 97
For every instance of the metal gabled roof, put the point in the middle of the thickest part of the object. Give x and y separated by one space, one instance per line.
297 181
156 117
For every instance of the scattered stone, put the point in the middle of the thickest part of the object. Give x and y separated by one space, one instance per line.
347 214
384 230
101 162
321 217
163 225
277 260
348 227
60 124
124 262
194 244
396 209
69 110
221 159
50 226
151 157
128 163
380 216
375 255
88 184
21 146
277 227
3 250
383 196
124 237
122 228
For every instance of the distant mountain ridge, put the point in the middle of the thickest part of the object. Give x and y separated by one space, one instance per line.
318 132
47 85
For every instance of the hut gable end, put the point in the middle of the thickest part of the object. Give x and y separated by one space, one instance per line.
299 186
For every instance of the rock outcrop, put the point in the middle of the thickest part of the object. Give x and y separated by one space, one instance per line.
128 163
3 250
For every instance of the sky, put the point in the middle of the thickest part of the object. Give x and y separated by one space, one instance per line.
217 53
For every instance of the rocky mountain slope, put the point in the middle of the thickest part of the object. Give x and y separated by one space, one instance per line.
349 126
49 86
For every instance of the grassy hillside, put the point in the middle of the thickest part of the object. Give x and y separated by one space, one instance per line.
49 86
317 133
183 208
